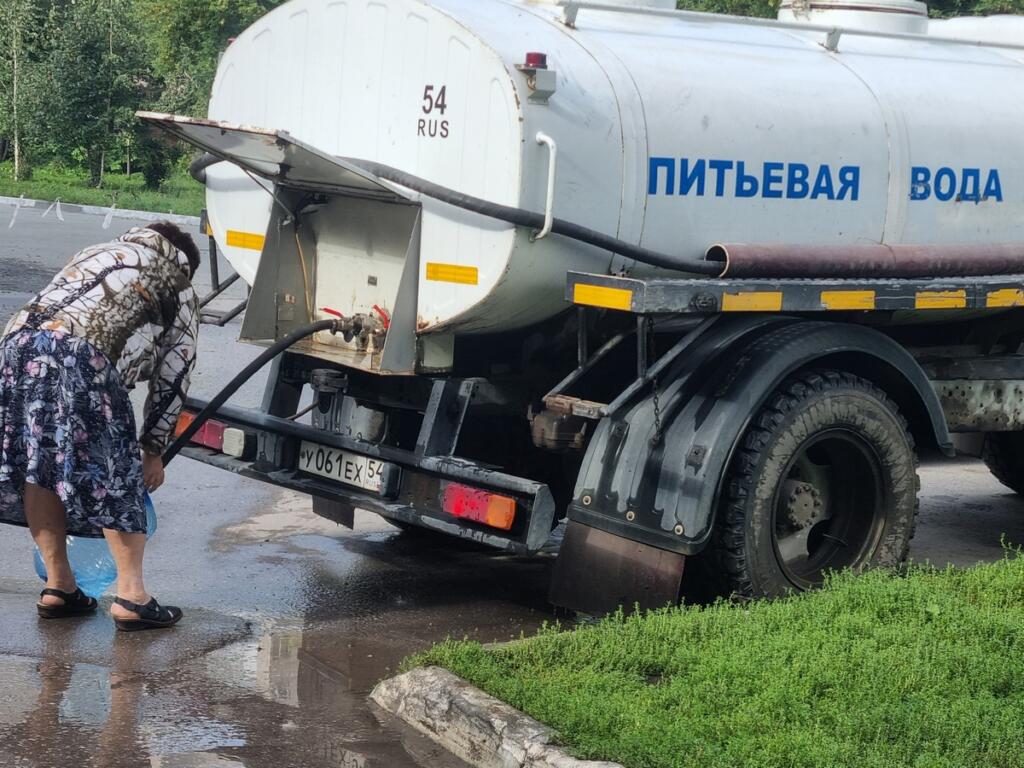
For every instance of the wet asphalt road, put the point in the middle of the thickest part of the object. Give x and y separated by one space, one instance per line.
290 620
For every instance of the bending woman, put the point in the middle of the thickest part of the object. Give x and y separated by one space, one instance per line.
70 460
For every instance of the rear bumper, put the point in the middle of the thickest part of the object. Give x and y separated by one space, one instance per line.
413 496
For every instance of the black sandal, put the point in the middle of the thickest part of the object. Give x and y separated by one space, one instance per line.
76 603
152 615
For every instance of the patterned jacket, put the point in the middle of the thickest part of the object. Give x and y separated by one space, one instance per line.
132 300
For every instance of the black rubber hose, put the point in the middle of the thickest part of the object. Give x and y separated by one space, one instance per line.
533 220
197 168
243 376
524 218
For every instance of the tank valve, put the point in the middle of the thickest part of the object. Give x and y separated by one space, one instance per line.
541 81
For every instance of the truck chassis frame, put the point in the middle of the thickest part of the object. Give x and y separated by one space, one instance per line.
654 454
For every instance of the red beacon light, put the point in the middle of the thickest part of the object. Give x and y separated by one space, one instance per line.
540 80
536 60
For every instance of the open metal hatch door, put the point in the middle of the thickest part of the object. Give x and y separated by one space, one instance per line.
339 242
275 155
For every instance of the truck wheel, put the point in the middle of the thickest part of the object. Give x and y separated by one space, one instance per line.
824 479
1003 454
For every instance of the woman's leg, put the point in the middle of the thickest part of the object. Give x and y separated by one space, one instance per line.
48 523
128 549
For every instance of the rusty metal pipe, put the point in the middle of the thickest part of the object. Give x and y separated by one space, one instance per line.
866 261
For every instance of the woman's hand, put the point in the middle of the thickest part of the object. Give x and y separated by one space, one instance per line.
152 471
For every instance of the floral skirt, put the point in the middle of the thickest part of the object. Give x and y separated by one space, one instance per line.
67 425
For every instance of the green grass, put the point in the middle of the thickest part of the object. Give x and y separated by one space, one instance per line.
178 194
873 671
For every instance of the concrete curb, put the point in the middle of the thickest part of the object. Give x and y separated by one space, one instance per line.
97 210
473 725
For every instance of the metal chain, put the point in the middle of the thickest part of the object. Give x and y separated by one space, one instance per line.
656 440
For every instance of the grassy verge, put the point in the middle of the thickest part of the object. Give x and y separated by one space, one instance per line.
178 194
874 670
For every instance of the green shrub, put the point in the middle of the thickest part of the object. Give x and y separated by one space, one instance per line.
874 671
173 190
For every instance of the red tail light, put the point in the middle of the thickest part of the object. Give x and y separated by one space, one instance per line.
480 506
211 434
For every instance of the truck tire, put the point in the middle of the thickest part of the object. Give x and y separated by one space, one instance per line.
1003 454
824 479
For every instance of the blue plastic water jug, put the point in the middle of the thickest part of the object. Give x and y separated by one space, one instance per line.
90 559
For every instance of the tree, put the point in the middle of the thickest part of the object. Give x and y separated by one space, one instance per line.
947 8
20 25
99 74
188 37
761 8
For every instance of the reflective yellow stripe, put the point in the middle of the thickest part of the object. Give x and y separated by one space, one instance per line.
600 296
755 301
1005 297
249 240
452 273
848 299
940 299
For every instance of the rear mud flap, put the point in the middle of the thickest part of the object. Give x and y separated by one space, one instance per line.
597 572
342 514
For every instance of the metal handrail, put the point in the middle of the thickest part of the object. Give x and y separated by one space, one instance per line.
572 8
549 202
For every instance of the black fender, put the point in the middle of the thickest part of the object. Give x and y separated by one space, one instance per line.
664 492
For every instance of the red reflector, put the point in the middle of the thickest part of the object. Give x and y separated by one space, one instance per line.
211 434
479 506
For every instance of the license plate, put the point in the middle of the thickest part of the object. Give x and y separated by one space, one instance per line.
348 468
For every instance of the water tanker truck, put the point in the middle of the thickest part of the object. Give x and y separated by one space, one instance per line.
704 286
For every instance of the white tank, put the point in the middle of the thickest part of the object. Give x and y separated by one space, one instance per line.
673 130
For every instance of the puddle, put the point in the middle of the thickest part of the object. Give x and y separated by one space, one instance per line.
290 698
19 274
293 696
86 701
317 678
21 686
279 676
167 730
196 760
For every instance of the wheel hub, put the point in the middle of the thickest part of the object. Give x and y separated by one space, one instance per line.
803 504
